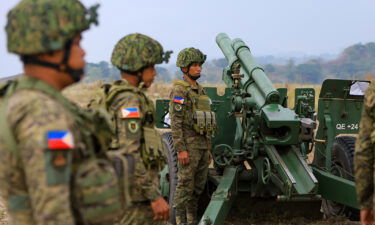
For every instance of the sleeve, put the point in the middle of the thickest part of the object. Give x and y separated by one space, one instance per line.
364 154
128 119
46 164
177 110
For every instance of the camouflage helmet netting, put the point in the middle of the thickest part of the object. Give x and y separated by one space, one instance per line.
37 26
188 56
136 51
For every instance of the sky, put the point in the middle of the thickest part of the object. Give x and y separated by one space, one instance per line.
269 27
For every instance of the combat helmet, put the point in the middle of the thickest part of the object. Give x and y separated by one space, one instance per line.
40 26
137 51
188 56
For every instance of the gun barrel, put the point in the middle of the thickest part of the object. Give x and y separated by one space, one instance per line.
255 72
225 45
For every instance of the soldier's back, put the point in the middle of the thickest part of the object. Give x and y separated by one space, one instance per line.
52 155
30 116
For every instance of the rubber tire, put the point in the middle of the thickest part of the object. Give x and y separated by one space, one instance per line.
342 157
171 156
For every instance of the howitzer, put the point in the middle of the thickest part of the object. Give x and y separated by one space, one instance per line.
261 146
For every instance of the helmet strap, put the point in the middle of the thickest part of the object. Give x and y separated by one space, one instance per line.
74 73
62 67
189 75
136 74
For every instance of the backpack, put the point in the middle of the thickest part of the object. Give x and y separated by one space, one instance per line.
152 148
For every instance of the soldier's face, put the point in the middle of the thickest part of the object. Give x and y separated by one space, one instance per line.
148 74
77 54
195 69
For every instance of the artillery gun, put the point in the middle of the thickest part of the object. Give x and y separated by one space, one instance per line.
261 146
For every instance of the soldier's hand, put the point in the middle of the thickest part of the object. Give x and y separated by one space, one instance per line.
367 217
160 209
183 157
210 157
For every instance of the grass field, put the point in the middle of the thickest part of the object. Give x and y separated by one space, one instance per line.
81 93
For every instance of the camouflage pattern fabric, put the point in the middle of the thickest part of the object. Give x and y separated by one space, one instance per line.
139 214
191 177
143 186
136 51
190 185
37 26
188 56
365 149
37 182
184 136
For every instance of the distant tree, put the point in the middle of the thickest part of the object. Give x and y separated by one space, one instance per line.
163 75
356 61
310 72
222 62
269 68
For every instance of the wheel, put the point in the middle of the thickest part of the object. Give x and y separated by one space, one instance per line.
342 166
266 171
223 155
171 156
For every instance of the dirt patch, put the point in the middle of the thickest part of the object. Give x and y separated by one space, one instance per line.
246 211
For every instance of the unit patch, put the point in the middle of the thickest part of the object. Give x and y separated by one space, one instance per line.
133 126
60 139
177 107
179 100
130 112
59 159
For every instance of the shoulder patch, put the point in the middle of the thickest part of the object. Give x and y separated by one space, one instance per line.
133 127
179 100
130 112
60 139
177 107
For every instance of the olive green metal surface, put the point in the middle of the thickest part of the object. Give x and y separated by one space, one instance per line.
336 189
222 199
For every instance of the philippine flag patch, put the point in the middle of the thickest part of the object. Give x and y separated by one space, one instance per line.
179 100
131 112
60 139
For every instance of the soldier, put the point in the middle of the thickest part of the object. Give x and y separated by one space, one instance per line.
192 125
364 159
53 166
136 141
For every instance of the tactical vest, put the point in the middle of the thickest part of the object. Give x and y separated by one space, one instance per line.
96 190
203 120
151 144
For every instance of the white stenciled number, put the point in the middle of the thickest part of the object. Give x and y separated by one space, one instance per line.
354 126
343 126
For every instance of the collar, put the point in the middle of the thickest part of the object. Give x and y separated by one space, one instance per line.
124 82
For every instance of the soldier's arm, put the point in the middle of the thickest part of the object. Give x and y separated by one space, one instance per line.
365 149
129 130
177 112
48 189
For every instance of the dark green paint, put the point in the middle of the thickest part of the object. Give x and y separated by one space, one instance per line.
336 189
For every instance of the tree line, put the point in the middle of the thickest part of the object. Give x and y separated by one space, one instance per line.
354 62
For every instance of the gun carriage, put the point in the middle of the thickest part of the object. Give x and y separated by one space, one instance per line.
261 146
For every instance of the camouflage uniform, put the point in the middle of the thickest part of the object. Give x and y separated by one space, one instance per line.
365 150
129 141
191 177
53 166
133 115
41 182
